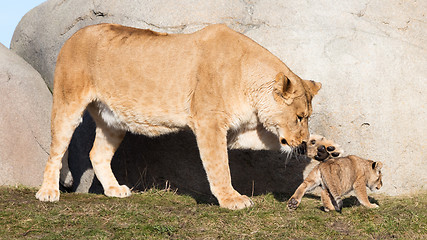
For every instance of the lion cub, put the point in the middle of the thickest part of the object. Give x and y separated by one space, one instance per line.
338 176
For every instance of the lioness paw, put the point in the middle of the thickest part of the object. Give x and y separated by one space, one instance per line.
293 204
373 205
322 149
236 202
48 194
117 191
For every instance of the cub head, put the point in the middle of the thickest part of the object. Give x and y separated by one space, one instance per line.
288 112
374 178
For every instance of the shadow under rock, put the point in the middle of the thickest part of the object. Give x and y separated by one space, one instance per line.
173 161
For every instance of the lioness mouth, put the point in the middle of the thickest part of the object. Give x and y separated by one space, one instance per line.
302 148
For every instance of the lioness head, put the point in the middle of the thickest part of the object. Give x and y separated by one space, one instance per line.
287 114
374 178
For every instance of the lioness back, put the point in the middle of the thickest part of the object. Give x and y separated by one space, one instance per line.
142 64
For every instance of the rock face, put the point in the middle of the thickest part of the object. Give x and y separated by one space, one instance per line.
370 57
24 121
38 39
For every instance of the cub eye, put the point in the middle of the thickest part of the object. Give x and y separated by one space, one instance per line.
300 118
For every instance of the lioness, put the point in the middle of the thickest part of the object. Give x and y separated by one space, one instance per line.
216 82
338 176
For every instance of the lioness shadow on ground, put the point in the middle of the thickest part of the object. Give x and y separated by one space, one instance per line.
173 161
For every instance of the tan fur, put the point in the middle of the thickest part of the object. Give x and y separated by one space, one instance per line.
338 177
216 82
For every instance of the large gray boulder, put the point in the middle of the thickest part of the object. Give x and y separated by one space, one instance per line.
41 32
24 121
370 57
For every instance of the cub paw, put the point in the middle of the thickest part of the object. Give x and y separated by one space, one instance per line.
48 194
293 204
322 149
236 202
117 191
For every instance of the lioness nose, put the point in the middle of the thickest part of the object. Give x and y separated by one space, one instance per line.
283 141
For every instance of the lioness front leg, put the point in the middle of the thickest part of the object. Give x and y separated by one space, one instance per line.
212 143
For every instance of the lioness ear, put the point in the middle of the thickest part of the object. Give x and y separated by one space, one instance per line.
284 88
313 86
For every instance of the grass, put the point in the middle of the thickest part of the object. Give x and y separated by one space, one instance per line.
161 214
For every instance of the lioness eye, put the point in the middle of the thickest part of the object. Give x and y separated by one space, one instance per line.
300 118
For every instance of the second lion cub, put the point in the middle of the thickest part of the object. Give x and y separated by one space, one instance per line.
337 177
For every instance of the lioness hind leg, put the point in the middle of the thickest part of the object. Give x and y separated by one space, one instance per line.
65 119
107 140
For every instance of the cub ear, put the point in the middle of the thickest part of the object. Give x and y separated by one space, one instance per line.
313 86
284 88
377 165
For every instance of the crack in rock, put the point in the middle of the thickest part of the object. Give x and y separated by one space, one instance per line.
59 4
249 23
40 145
242 24
9 77
361 12
90 16
174 29
5 77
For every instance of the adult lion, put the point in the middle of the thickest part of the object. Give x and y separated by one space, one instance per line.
222 85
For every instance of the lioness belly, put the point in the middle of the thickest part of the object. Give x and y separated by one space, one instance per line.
136 121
